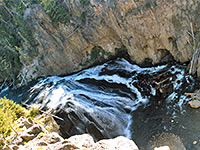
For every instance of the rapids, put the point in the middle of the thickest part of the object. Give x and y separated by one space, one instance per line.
116 98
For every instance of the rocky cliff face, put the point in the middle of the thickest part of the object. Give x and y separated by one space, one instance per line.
151 31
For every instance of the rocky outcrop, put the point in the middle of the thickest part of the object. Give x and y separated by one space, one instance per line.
151 32
35 135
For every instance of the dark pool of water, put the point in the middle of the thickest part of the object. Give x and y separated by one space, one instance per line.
155 119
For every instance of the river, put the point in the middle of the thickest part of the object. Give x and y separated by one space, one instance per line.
118 98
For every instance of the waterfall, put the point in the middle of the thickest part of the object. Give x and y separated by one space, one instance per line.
101 100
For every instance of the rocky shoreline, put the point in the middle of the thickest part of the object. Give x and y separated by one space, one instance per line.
42 133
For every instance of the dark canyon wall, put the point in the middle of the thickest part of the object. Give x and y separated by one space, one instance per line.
72 34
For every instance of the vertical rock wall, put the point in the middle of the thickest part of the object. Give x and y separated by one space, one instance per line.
152 31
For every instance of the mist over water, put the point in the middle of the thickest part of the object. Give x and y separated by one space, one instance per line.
115 98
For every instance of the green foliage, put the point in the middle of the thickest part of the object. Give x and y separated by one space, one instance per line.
16 37
84 2
34 111
83 17
9 112
2 143
47 4
174 43
56 11
150 4
122 49
96 55
14 33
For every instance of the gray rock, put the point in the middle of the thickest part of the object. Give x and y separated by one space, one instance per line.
119 143
15 147
27 137
17 141
42 143
67 146
27 123
54 138
84 140
35 129
7 148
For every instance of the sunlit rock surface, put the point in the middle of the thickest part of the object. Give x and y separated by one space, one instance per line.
150 31
33 135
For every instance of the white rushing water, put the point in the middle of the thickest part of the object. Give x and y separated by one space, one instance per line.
107 92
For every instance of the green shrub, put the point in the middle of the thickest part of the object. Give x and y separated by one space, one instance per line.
9 112
56 11
15 35
34 111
